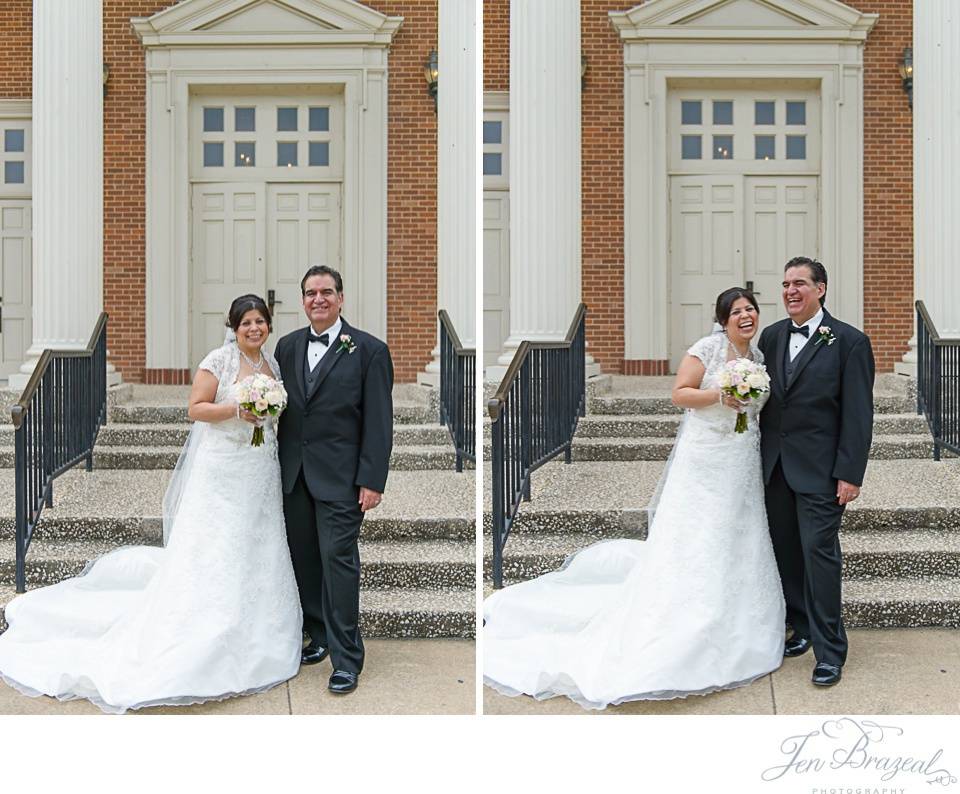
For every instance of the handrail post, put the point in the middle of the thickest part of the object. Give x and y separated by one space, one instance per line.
937 399
20 519
499 516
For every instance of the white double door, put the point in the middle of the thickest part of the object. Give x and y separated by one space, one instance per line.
16 319
733 231
257 238
496 274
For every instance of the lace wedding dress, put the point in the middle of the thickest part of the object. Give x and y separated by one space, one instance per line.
213 614
695 608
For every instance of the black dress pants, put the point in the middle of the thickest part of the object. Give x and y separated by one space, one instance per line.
805 531
326 562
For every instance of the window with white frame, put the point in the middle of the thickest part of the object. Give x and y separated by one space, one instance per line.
495 161
775 130
238 137
15 169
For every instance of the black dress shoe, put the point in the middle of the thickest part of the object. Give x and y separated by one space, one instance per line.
796 646
313 654
825 674
342 682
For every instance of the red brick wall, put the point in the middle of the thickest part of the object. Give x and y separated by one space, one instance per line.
888 184
411 190
496 45
602 187
124 189
16 51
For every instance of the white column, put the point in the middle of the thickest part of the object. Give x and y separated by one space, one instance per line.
67 176
545 204
457 167
936 166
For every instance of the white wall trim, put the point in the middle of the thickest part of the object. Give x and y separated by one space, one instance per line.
180 57
820 40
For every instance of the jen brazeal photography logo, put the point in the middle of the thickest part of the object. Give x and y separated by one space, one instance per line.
869 756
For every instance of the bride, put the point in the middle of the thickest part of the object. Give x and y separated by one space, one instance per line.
697 607
215 612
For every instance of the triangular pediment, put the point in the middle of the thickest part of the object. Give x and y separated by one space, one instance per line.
339 20
746 19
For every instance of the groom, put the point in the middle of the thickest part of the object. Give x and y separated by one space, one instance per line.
334 438
815 437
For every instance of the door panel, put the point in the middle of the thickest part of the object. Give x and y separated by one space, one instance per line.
496 274
228 257
781 219
16 330
706 243
303 229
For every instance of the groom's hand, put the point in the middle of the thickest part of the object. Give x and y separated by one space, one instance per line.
846 492
369 499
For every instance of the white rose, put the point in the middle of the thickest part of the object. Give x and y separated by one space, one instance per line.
261 405
756 380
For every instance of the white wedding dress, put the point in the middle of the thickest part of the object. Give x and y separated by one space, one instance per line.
695 608
213 614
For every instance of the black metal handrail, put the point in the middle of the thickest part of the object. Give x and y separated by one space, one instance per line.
938 383
56 422
535 413
458 393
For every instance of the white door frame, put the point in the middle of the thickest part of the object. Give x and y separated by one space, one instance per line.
668 41
207 43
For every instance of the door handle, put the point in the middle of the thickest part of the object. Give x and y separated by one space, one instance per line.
750 287
272 299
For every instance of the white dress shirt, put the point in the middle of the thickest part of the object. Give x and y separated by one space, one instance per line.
317 350
797 341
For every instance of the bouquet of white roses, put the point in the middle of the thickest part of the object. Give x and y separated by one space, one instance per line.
263 396
744 379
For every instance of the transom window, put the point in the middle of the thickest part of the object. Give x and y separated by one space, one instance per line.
742 124
14 156
495 149
295 135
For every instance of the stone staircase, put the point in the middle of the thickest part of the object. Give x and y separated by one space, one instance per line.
901 538
416 548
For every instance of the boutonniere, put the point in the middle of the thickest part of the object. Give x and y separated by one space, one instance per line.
824 335
346 343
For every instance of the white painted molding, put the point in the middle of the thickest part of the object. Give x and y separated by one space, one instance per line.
16 109
672 42
348 49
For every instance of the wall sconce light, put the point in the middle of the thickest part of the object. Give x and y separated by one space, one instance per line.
583 72
106 76
906 73
431 73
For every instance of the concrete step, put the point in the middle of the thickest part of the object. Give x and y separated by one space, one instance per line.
392 613
626 448
867 554
433 565
403 458
665 425
169 435
906 602
627 404
409 413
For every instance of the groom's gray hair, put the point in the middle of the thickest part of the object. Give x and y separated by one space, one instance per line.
322 270
817 272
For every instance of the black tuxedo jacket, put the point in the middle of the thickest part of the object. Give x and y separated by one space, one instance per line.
342 435
820 423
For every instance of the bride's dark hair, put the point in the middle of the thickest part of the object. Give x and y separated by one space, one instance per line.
725 301
244 304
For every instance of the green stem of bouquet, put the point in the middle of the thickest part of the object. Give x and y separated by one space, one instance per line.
258 436
741 426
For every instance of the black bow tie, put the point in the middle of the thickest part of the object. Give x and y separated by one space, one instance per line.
801 330
323 339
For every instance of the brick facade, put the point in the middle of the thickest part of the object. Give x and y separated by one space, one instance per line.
411 190
888 178
411 180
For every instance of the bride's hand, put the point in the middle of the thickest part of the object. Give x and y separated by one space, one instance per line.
732 402
247 416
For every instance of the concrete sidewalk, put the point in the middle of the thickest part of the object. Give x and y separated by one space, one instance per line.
888 671
399 677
